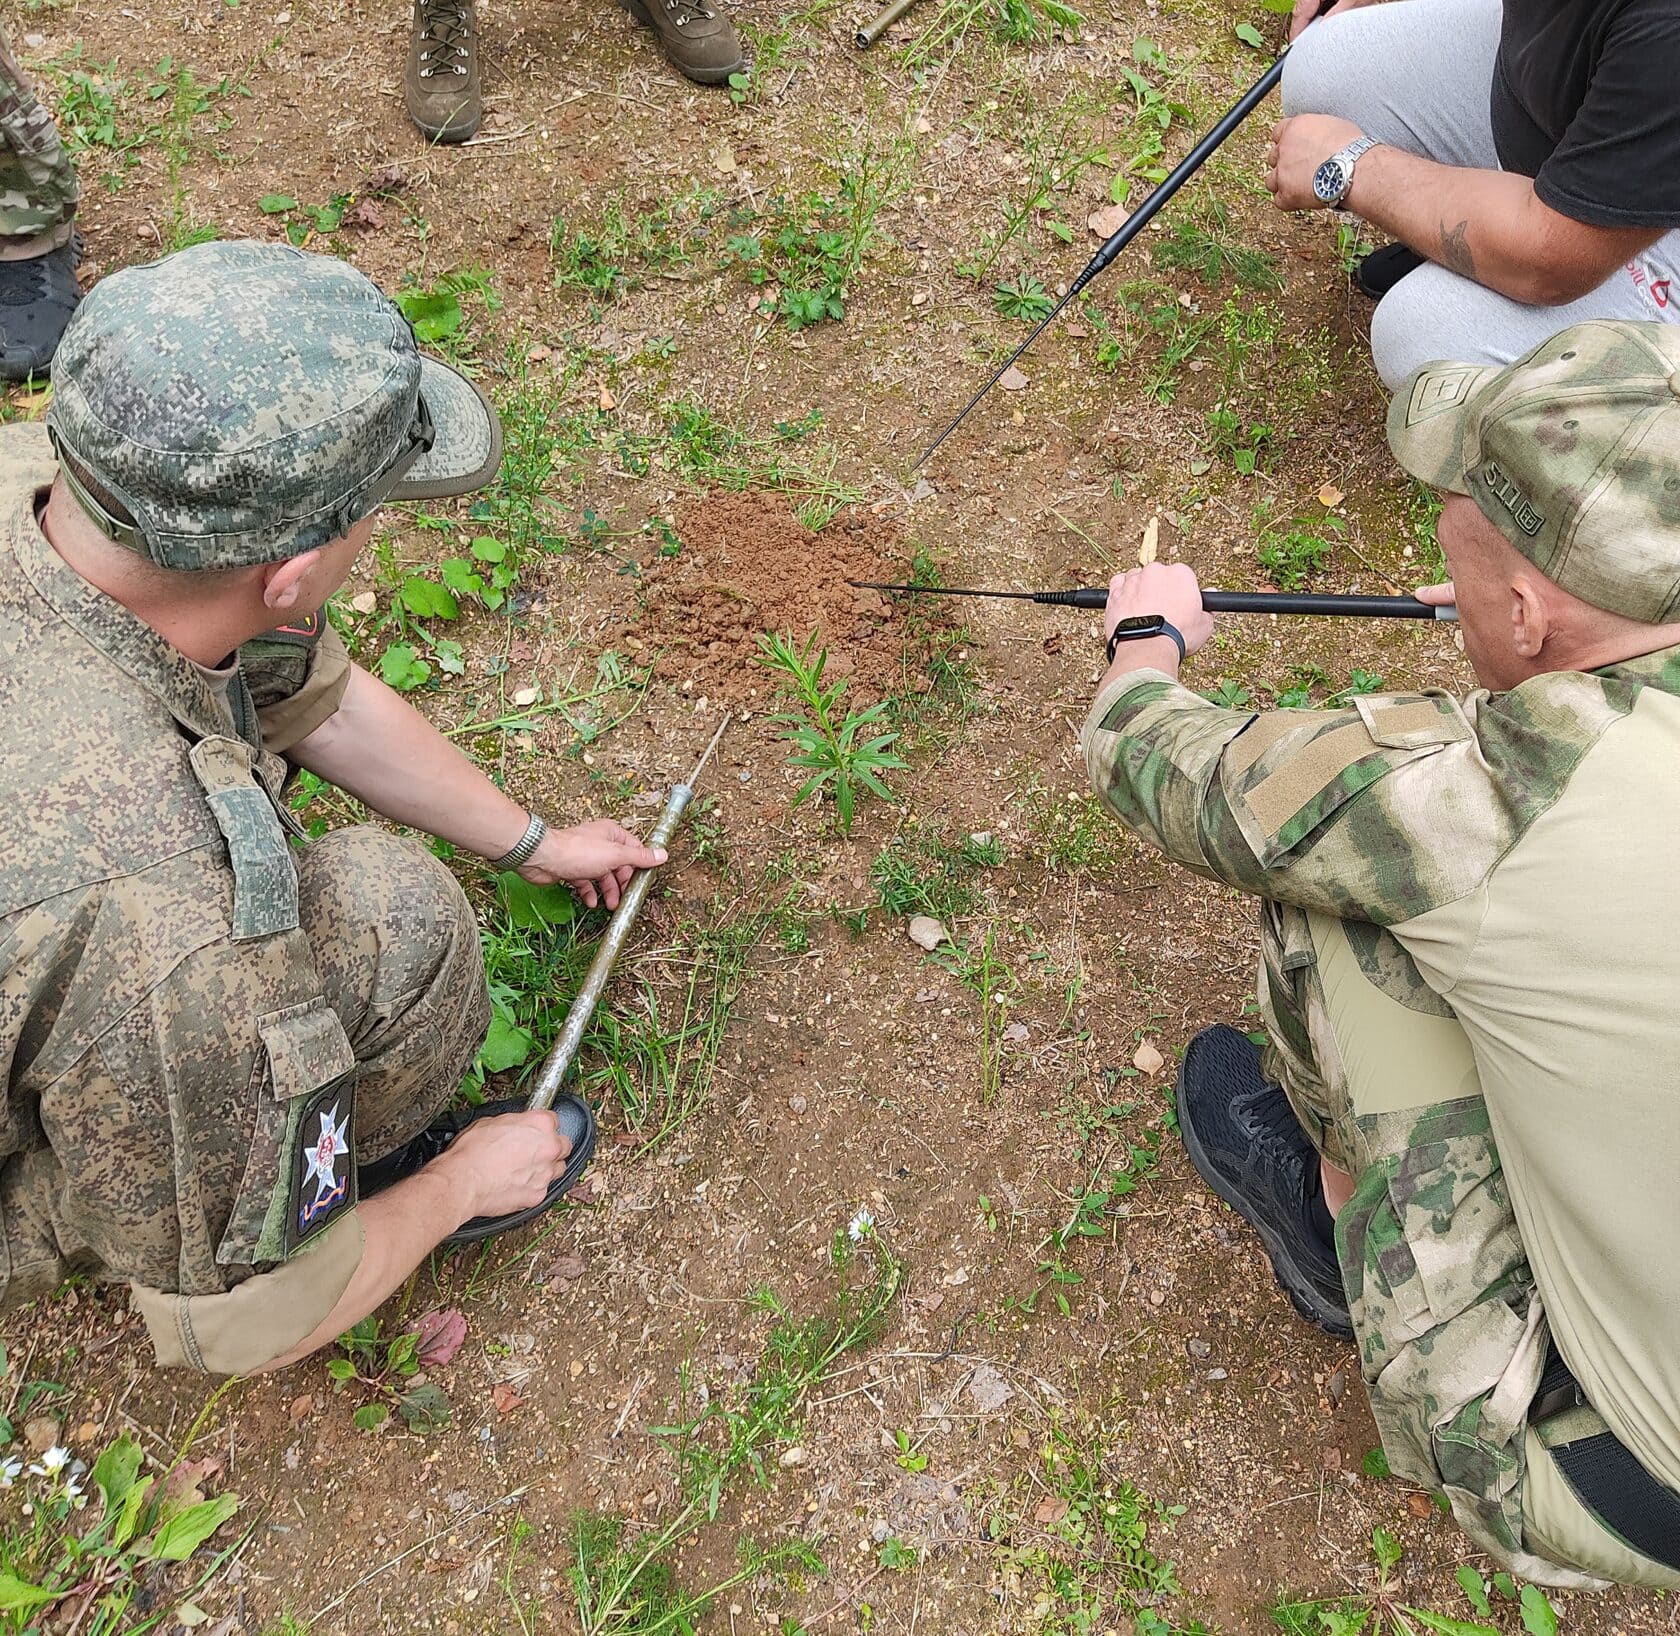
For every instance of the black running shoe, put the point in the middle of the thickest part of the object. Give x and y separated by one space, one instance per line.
1244 1139
1376 274
577 1123
37 297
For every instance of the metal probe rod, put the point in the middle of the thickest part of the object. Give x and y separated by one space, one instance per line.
1264 602
883 20
1134 224
559 1060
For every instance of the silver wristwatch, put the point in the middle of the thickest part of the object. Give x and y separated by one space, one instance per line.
521 850
1334 178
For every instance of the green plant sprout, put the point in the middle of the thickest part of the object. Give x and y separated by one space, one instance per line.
843 753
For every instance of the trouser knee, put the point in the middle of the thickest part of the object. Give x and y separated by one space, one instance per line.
396 947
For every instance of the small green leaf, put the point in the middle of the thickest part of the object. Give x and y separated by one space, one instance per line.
1475 1592
506 1046
340 1370
435 314
426 600
535 907
371 1416
449 658
115 1470
178 1538
487 549
1539 1618
18 1596
1442 1625
424 1409
402 668
276 204
1250 35
1506 1586
1386 1549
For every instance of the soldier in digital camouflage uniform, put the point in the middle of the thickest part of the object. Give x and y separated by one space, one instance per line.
226 1050
38 249
1469 965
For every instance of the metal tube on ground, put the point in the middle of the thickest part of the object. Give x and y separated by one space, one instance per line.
1310 603
559 1060
883 20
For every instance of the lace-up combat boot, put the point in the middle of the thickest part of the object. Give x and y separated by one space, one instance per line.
441 85
700 41
37 297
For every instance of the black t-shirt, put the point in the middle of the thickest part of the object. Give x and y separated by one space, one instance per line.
1585 101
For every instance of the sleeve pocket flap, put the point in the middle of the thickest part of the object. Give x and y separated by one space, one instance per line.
307 1048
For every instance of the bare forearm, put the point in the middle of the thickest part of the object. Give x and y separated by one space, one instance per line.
380 749
400 1228
1488 225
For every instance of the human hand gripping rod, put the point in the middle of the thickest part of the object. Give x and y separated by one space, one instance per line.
1129 230
1267 602
559 1060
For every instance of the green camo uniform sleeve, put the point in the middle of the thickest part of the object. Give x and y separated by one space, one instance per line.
1325 809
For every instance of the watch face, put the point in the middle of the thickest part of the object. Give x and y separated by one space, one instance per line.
1328 181
1139 623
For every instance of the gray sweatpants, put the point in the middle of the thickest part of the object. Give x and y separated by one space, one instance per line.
1416 74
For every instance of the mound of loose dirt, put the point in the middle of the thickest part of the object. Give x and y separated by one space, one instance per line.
747 566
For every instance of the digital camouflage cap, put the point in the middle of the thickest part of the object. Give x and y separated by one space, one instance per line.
1572 453
243 403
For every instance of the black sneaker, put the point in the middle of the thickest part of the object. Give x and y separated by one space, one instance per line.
1376 274
1244 1139
37 297
577 1123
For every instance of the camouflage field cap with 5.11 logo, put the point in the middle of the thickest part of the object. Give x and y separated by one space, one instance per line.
1573 453
241 403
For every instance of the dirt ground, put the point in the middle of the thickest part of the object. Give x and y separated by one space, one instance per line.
854 1072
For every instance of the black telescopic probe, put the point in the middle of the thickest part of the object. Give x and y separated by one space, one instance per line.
1133 225
1233 602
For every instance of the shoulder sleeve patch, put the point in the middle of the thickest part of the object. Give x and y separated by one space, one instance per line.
1413 721
1291 771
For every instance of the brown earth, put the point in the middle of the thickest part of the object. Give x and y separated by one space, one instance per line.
749 565
850 1074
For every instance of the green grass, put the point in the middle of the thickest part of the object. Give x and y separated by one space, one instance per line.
723 1441
618 249
923 874
1206 246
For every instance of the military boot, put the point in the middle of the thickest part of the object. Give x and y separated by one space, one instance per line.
1243 1138
700 41
441 85
37 297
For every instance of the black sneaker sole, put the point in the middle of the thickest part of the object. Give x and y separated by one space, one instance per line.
1292 1280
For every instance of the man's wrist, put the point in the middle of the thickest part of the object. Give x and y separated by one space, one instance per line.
520 853
1144 653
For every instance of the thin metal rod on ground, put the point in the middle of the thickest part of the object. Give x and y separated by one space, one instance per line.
559 1060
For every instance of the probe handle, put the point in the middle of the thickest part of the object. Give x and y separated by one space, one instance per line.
1273 602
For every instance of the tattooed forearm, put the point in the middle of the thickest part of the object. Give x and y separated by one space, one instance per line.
1455 250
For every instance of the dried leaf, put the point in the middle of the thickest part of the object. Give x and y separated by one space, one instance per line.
1330 496
1146 1059
723 159
567 1269
607 401
505 1399
301 1407
523 696
440 1335
366 215
1012 380
1052 1508
1151 542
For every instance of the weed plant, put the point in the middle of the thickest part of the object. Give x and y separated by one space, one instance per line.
925 875
624 1580
841 749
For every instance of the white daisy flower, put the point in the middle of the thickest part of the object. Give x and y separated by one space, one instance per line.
861 1226
56 1459
10 1471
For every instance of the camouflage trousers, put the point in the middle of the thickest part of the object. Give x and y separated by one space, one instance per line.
396 947
37 184
1451 1331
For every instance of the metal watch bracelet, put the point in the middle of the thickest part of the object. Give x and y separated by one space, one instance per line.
521 850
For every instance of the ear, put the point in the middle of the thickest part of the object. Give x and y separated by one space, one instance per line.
1530 625
282 583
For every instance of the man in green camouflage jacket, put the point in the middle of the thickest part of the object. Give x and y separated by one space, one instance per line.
38 248
1469 964
225 1054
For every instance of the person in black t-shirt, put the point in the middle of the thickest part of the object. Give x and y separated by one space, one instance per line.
1529 150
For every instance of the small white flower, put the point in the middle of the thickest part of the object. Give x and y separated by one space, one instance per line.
73 1492
860 1226
56 1459
10 1471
